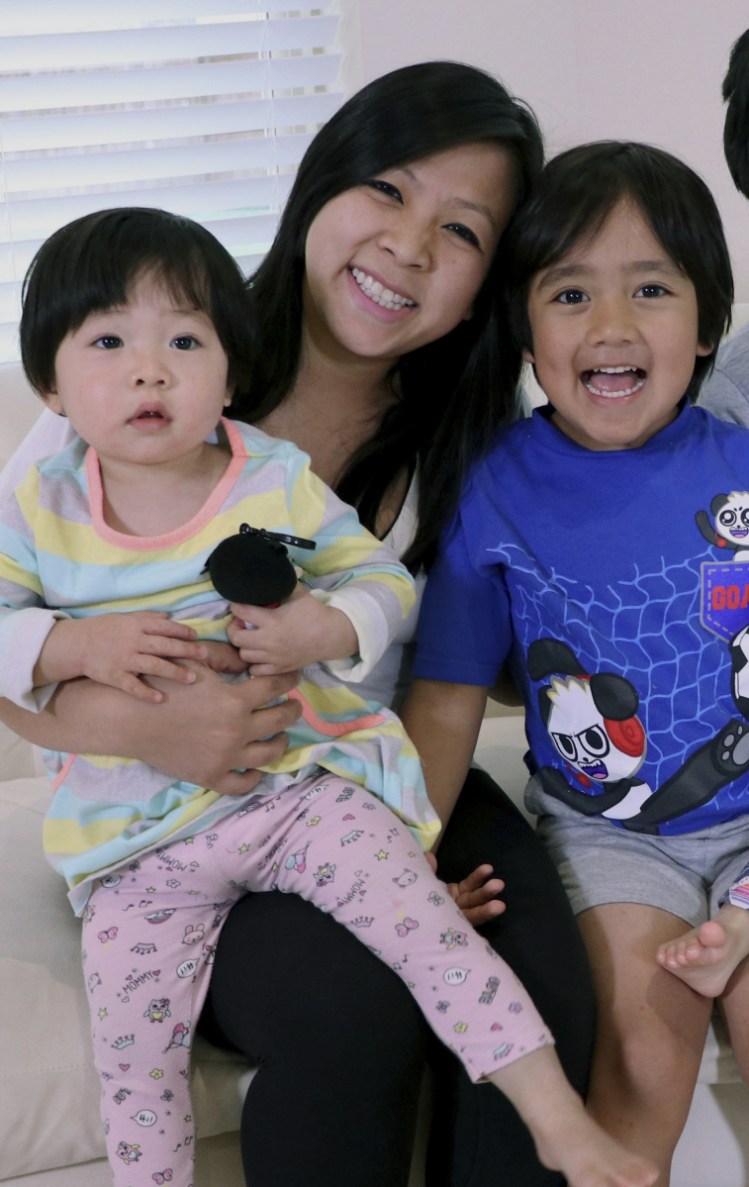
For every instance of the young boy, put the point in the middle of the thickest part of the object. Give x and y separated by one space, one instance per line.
587 551
135 326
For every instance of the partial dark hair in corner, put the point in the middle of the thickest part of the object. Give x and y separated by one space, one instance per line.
736 127
577 192
89 265
452 394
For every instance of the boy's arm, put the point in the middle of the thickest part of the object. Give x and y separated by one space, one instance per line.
443 721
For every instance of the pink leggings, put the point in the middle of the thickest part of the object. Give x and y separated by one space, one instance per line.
150 930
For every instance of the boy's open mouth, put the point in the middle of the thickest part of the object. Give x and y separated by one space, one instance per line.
613 382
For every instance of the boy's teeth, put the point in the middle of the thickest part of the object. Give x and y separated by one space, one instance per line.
615 386
378 293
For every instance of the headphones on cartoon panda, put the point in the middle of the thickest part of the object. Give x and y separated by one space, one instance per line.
613 696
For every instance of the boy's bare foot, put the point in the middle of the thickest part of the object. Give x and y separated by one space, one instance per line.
705 957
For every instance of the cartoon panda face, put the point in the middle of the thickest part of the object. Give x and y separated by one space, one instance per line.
732 518
581 735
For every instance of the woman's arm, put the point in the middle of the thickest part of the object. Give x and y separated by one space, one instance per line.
207 732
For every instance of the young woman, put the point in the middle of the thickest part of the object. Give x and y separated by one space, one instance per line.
385 357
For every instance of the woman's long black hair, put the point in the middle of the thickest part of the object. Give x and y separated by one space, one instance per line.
454 393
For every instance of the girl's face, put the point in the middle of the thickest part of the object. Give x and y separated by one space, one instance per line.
143 382
396 263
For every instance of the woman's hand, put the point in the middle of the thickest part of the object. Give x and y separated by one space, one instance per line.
476 895
212 732
301 631
217 734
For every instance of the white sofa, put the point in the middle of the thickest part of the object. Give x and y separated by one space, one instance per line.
49 1124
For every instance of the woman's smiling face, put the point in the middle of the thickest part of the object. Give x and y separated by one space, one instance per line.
397 262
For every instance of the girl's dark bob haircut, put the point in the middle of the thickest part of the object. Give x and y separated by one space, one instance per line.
91 264
577 192
453 393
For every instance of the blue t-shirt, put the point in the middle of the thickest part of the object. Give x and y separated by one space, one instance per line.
616 583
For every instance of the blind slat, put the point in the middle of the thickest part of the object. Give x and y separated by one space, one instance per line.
188 105
47 91
92 14
201 202
120 168
128 47
163 123
233 235
232 232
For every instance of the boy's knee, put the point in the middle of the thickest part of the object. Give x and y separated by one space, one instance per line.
648 1059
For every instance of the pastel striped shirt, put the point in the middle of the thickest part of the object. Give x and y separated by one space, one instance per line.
59 557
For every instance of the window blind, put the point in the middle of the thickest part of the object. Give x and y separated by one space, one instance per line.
202 107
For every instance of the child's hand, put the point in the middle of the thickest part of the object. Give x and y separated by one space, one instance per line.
300 632
476 895
117 649
223 658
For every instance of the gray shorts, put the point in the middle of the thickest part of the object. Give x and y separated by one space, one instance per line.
600 863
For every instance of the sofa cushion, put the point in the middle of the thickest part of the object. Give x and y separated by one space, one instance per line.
49 1090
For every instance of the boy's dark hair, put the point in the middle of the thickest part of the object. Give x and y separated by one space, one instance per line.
90 264
452 393
736 127
577 192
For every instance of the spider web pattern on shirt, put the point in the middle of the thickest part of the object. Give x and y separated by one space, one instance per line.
646 629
